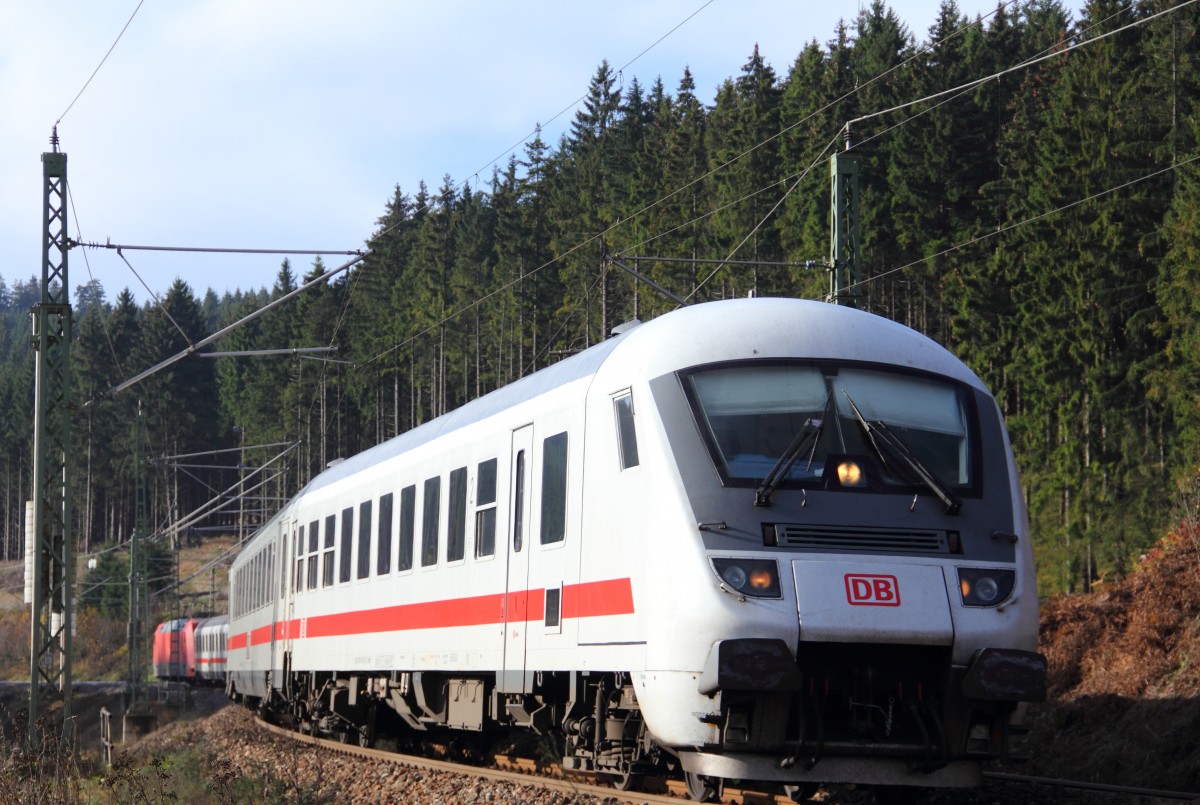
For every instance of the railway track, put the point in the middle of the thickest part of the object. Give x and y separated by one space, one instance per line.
523 771
578 786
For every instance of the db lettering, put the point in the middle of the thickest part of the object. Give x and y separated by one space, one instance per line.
871 590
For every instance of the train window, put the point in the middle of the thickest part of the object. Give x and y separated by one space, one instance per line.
457 526
364 539
408 508
554 488
430 516
314 547
485 508
383 562
327 559
299 549
347 543
626 435
928 417
519 501
753 413
553 609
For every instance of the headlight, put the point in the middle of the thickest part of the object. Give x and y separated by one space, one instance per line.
850 474
985 587
758 578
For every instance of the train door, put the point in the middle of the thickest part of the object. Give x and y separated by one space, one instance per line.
281 595
516 599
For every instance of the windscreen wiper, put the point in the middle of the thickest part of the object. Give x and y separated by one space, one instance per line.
811 431
900 451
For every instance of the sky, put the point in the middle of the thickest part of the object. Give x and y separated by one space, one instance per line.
287 125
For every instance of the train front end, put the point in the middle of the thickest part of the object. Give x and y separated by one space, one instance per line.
860 601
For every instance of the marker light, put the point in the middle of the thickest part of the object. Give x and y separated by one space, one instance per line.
761 580
985 587
850 474
758 578
734 576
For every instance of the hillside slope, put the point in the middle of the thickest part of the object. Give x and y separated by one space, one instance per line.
1124 698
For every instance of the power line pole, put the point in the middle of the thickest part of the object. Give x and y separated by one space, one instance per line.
51 620
845 231
138 712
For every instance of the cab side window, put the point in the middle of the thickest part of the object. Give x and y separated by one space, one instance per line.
626 434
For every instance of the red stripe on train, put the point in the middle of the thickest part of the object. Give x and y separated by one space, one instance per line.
589 600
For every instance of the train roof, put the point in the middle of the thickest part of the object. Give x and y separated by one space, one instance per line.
580 365
705 333
782 328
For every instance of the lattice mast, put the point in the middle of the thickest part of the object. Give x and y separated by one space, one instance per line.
51 618
137 692
845 230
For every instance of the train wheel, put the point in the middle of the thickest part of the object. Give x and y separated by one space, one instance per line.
699 787
625 782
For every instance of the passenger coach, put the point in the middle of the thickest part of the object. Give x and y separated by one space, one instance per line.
759 539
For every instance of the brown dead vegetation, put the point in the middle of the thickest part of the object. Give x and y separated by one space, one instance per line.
1124 697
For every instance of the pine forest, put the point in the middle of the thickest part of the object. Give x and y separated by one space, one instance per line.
1043 224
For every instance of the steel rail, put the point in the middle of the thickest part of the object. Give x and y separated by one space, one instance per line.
1105 787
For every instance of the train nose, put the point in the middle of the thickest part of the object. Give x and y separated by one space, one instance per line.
872 602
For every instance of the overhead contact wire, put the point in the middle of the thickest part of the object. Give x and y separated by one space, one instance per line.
101 64
1034 219
1055 53
538 128
157 301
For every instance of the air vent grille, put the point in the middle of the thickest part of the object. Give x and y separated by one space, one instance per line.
837 539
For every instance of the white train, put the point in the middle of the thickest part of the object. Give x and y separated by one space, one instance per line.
760 539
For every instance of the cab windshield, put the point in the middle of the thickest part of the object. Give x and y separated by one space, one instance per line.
752 414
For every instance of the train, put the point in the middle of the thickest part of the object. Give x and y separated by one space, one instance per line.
765 539
191 650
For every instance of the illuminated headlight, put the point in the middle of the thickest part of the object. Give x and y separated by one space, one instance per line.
850 474
985 587
758 578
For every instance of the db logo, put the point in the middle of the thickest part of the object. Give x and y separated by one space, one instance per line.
868 590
